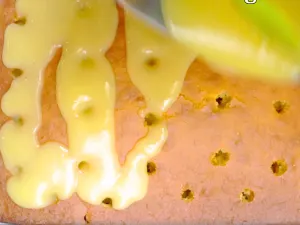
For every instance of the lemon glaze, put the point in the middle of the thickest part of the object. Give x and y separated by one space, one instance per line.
89 166
230 36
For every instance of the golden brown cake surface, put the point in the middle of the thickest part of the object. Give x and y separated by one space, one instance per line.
189 186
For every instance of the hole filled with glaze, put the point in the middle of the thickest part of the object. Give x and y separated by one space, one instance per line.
18 120
16 72
20 21
152 63
220 158
87 63
280 106
151 119
151 168
83 107
107 202
223 100
83 166
87 111
279 167
87 218
187 195
247 195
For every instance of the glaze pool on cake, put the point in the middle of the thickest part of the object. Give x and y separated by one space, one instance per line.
84 30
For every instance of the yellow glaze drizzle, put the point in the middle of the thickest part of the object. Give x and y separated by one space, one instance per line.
218 32
86 98
84 29
157 66
41 174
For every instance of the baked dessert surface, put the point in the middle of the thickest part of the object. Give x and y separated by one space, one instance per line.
243 123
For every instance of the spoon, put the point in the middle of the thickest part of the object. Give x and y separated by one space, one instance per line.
148 10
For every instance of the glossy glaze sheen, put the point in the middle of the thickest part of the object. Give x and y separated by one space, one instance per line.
84 30
229 38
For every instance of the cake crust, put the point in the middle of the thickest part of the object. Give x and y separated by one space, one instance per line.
203 121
